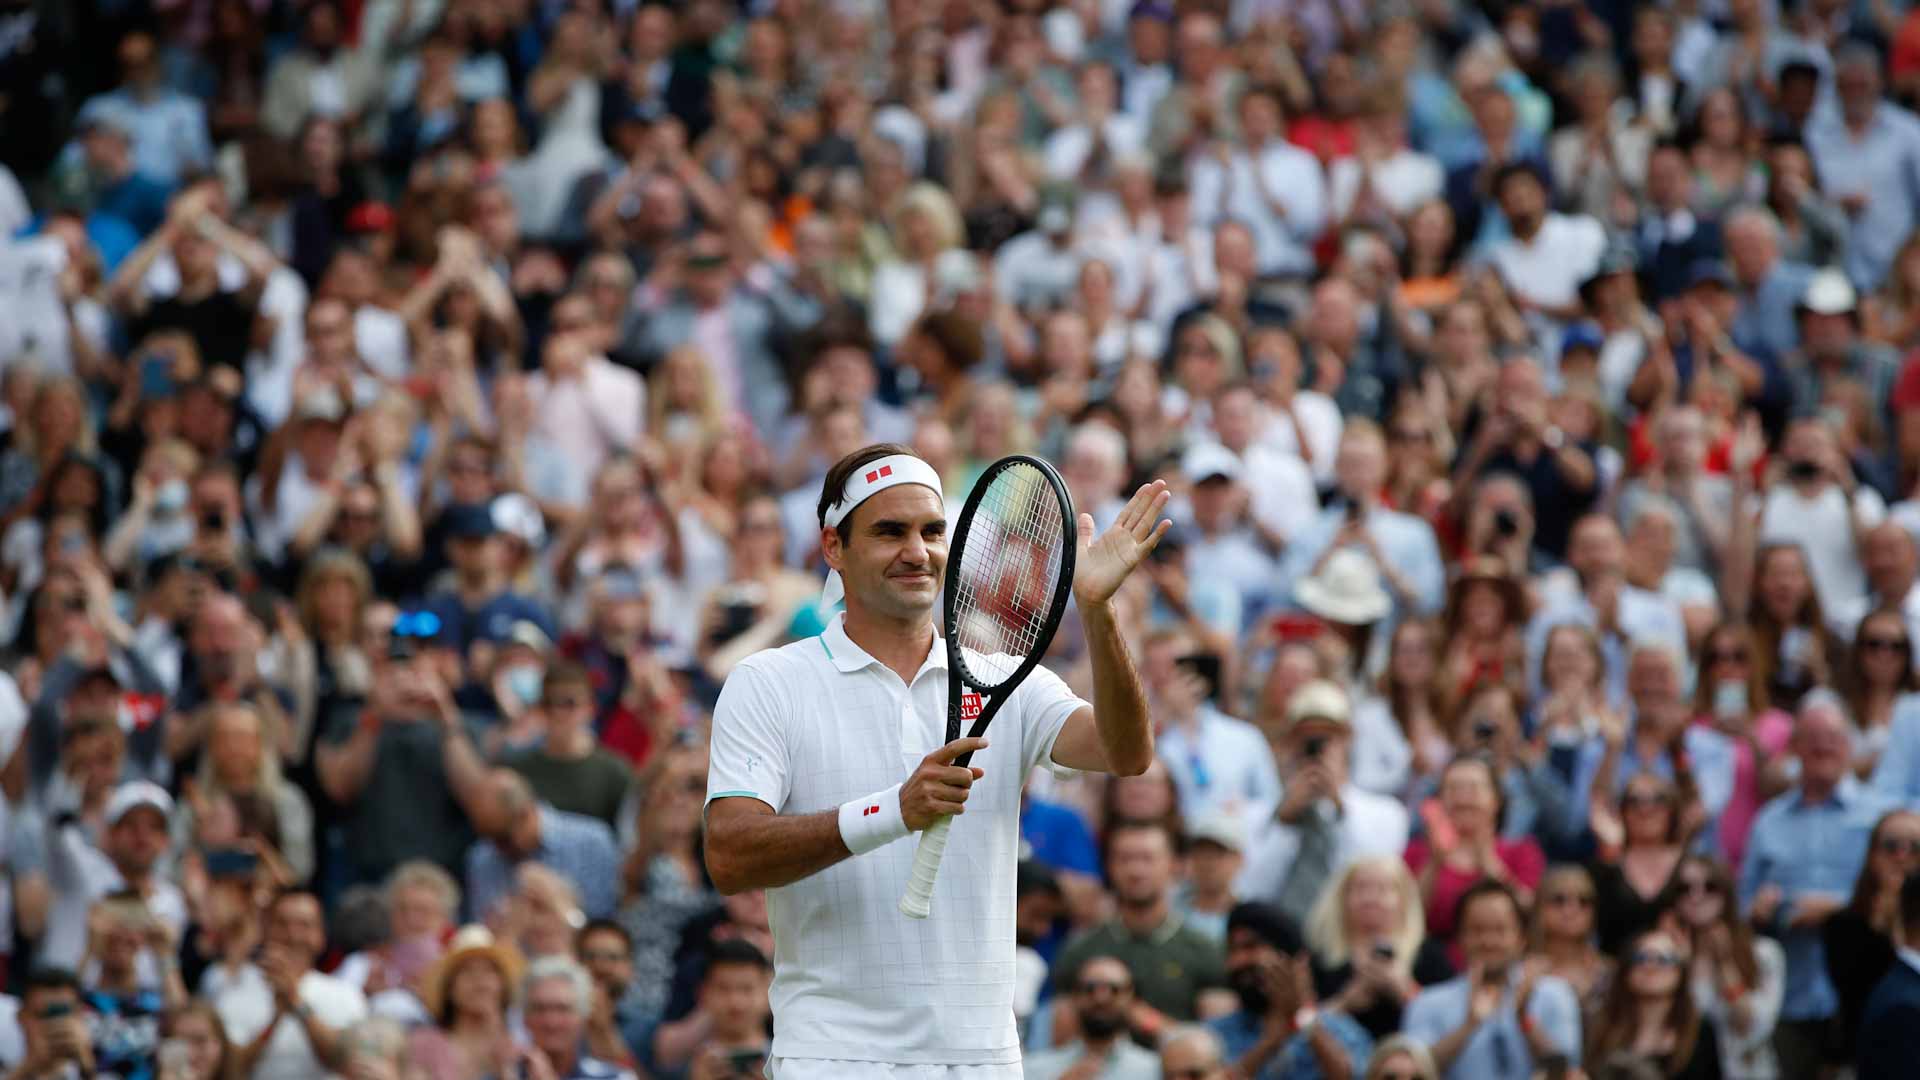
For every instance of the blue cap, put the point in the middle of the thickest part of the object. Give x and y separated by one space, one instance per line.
1151 9
1709 272
469 521
1581 335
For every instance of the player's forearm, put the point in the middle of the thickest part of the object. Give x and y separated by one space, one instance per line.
764 851
1119 702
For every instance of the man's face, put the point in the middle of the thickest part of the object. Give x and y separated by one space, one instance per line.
1821 741
1490 932
1652 682
1148 40
1361 466
1248 954
896 553
1213 502
297 925
473 557
1189 1059
41 1011
1889 560
554 1019
1826 336
608 960
138 840
1213 866
1596 549
136 56
1102 996
735 995
1140 865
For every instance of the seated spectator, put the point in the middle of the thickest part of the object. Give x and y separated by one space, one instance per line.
1859 939
1642 837
1650 1011
1216 850
286 1017
206 1051
1176 962
422 904
1401 1058
557 996
1220 765
1102 989
467 994
1495 1020
1324 821
569 770
480 607
1401 544
55 1040
1736 977
240 763
664 876
1371 953
1192 1052
1888 1040
1786 892
615 1031
126 1015
1563 943
1278 1030
521 828
1462 845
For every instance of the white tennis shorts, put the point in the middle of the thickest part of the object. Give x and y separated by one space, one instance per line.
779 1068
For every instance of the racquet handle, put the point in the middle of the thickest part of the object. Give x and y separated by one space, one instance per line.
918 899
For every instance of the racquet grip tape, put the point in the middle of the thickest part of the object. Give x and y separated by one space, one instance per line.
917 901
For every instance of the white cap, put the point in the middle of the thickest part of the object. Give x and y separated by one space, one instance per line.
1227 830
1828 293
1346 590
518 517
1320 699
1209 459
134 794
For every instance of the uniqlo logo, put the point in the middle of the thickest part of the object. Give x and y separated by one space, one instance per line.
969 706
884 470
870 810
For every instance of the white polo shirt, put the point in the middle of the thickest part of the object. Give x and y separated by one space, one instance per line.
817 723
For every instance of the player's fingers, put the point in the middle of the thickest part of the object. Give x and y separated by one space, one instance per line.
947 793
954 749
947 809
951 775
1150 520
978 772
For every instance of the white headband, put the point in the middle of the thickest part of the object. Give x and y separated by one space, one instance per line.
870 480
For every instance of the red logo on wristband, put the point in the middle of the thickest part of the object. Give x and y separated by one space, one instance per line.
870 810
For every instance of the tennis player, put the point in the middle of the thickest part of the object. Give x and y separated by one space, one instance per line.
827 757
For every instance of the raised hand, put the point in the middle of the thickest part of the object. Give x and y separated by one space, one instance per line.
1102 564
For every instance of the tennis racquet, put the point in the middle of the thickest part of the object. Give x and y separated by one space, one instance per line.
1009 572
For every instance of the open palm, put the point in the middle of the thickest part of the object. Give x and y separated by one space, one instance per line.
1102 564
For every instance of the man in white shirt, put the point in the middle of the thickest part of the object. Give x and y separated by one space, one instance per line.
286 1019
1324 822
803 732
1221 766
1820 506
1547 255
1273 186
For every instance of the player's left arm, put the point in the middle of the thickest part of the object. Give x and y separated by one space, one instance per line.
1116 734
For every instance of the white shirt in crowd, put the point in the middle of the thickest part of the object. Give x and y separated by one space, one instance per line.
1822 527
1368 824
809 726
1248 186
1548 269
591 417
1221 765
1403 181
244 1001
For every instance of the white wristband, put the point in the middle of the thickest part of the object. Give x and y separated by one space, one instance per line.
872 822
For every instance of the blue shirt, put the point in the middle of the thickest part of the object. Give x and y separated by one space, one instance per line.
1221 766
1059 838
1883 163
1711 757
1765 321
169 130
491 621
1497 1050
1897 777
1406 542
1809 849
578 848
1240 1030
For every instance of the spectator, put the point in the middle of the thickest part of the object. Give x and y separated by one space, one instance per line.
1736 978
1462 845
1858 149
1817 504
1882 678
1220 765
54 1027
1886 1031
422 905
1102 996
1402 545
481 606
1805 847
558 995
467 994
1324 822
1547 255
1642 837
521 828
1831 349
125 1017
239 764
207 1052
285 1017
569 770
1401 1058
1278 1030
1192 1052
1495 1020
1563 943
1371 953
132 846
168 128
1216 849
1859 939
1140 865
615 1029
1650 1010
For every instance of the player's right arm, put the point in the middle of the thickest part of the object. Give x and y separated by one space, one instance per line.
749 844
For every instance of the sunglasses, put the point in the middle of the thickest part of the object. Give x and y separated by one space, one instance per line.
1657 958
1700 887
1884 644
1727 656
1570 899
1894 845
1094 986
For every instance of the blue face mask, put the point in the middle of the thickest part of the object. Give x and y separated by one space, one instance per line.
170 497
524 683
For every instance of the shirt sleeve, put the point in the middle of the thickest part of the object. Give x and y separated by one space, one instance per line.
748 756
1557 1012
1045 704
1425 1023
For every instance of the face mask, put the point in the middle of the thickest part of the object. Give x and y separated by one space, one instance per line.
171 497
524 683
1730 698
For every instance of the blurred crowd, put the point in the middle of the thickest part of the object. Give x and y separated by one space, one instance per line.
410 410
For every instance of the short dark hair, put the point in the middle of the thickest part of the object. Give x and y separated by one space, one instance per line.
565 673
1507 173
49 979
1489 887
835 487
1121 827
604 926
1080 971
736 952
1268 923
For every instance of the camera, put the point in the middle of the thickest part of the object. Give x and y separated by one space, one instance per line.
213 519
1506 522
1484 730
1803 471
1314 745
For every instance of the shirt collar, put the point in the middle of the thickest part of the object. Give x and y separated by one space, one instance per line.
848 657
1843 794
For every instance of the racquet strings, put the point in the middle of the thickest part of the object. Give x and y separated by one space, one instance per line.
1009 569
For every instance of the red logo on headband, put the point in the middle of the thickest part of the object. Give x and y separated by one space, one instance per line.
884 470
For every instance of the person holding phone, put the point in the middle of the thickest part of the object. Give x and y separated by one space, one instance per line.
1371 953
53 1021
